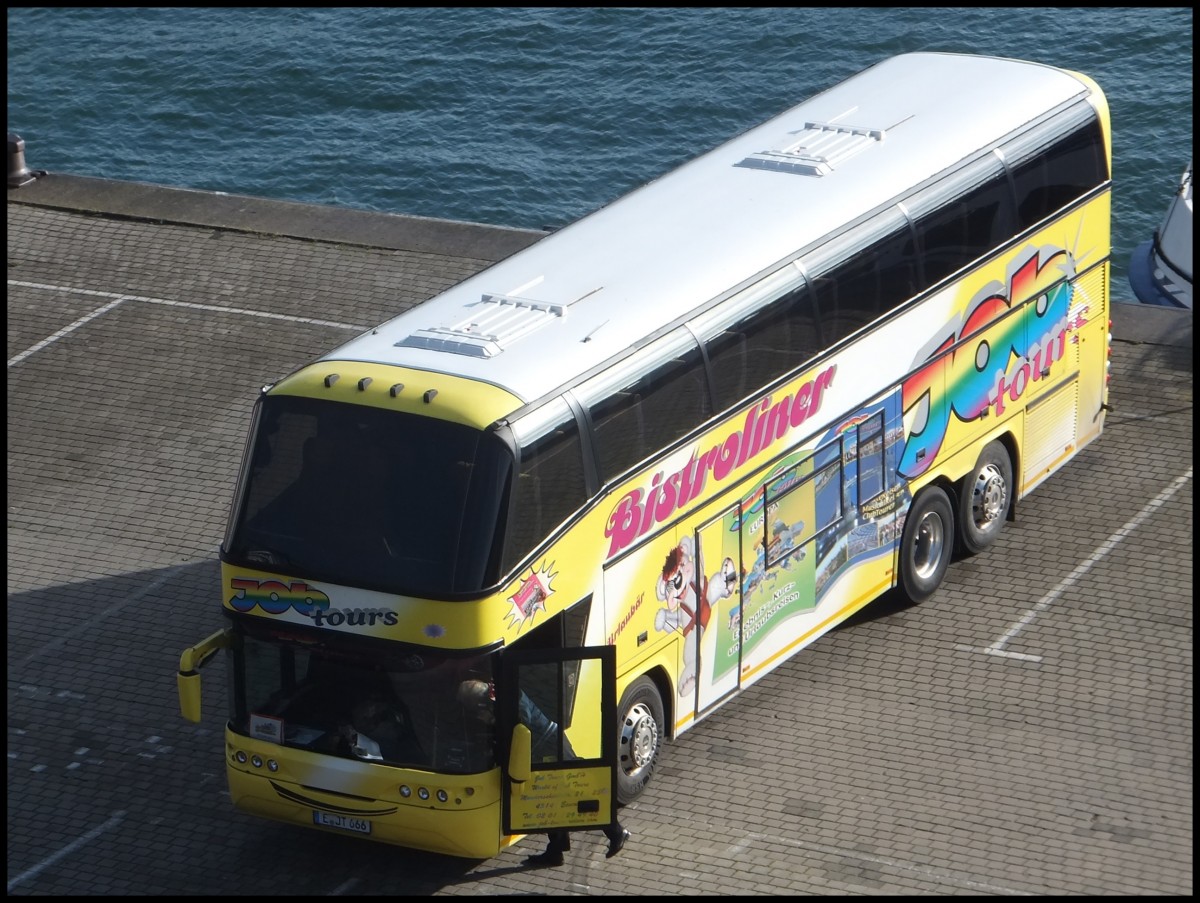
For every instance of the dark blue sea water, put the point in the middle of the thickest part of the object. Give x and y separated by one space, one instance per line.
526 116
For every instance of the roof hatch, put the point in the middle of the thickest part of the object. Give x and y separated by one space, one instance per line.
819 148
495 322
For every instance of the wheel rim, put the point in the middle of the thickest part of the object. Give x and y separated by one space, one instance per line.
928 549
639 740
989 498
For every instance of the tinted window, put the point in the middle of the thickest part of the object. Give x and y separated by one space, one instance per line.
965 229
764 344
636 412
549 487
867 285
366 497
1057 175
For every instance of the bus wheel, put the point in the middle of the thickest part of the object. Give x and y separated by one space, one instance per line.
640 739
927 543
983 500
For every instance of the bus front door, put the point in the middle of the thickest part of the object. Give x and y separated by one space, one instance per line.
558 708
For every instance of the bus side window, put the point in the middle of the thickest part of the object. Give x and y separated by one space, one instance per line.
620 433
1053 177
943 242
549 486
727 358
775 339
836 321
655 409
858 292
805 328
897 270
675 398
966 228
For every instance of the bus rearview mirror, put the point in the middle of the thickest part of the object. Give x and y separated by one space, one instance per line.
191 660
520 754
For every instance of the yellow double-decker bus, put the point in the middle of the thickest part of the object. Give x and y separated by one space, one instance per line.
484 561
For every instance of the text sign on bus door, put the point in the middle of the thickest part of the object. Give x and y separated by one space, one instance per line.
563 798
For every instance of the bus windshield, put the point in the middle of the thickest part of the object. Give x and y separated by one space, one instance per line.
401 706
361 496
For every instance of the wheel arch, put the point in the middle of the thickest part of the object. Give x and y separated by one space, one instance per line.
1009 440
657 673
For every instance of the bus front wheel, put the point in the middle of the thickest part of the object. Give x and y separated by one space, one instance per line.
983 499
927 543
640 739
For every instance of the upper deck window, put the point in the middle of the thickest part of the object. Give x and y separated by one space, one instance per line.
364 497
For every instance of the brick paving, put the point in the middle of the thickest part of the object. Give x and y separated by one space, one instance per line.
893 756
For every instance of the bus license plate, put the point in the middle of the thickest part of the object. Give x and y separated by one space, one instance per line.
342 822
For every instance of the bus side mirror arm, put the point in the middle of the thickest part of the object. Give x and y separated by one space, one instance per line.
191 660
520 754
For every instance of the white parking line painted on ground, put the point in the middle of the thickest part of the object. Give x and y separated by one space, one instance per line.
74 845
118 299
997 648
67 330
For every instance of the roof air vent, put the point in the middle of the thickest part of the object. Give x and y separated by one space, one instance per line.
820 147
496 322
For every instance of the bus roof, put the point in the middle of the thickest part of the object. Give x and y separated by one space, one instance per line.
603 285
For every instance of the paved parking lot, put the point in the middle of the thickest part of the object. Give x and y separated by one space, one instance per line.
900 754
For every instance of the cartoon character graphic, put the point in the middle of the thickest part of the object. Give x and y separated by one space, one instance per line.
677 588
688 606
721 585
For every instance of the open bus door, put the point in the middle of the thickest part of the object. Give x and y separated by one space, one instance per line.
559 778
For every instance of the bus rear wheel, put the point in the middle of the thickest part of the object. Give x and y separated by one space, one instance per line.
640 739
983 500
927 543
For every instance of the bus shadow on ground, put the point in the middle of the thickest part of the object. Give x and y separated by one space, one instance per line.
892 602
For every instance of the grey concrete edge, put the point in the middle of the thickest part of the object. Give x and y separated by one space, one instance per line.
1148 324
315 222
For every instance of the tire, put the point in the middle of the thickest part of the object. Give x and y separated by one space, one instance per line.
927 543
640 738
984 498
